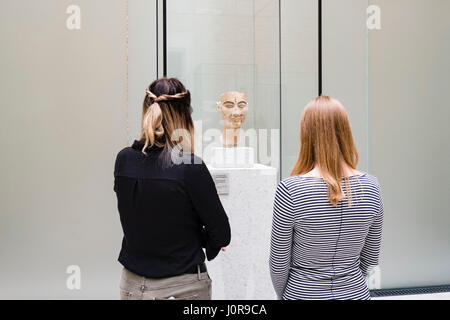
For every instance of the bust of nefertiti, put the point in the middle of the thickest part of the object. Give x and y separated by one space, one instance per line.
234 108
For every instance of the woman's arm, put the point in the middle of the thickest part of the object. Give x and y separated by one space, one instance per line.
281 239
371 250
203 194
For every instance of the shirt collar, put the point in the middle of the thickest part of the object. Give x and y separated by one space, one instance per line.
139 145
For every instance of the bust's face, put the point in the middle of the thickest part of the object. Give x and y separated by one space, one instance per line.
234 108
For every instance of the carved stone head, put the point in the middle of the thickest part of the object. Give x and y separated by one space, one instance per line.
234 108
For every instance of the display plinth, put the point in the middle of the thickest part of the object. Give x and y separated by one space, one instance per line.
233 157
242 271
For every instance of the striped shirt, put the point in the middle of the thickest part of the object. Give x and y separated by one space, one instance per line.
319 251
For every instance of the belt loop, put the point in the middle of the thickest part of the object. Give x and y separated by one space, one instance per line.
198 272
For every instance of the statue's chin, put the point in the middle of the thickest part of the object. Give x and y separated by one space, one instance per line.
237 125
232 125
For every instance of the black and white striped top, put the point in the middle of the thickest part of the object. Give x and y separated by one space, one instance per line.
319 251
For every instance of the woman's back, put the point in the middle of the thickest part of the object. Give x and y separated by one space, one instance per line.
332 247
168 204
162 212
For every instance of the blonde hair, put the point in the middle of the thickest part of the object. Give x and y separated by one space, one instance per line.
166 117
326 141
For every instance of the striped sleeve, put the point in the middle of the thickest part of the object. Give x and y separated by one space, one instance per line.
281 239
370 252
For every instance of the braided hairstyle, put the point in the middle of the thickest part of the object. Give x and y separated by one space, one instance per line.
166 117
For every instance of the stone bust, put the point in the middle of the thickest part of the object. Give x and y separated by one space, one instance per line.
234 108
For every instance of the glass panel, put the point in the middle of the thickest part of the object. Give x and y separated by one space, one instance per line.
409 138
64 117
344 47
299 73
391 80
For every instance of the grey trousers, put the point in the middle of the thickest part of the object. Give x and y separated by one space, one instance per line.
183 287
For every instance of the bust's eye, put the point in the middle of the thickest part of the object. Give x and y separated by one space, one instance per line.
242 105
229 105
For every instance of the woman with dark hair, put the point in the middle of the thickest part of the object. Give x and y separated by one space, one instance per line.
327 217
168 204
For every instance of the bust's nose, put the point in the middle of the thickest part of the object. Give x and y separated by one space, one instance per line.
236 111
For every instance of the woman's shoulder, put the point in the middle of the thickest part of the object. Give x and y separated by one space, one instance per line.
191 165
123 152
309 180
295 184
188 160
301 179
121 159
371 182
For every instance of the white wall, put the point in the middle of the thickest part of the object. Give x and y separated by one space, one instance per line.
393 82
63 118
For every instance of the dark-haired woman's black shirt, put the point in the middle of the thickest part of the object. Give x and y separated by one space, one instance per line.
163 213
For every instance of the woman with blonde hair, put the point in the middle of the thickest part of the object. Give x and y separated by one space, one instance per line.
168 204
327 217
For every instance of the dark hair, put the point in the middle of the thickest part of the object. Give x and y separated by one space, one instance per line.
166 118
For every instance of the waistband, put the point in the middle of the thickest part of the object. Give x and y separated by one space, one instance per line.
201 268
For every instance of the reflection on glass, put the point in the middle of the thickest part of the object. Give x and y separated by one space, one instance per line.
218 46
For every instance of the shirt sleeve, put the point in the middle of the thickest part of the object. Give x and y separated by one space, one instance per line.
117 166
281 239
204 197
371 250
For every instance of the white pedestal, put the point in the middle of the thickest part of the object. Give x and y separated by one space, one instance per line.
242 271
233 157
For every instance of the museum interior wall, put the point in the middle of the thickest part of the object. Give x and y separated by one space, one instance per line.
391 81
71 98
